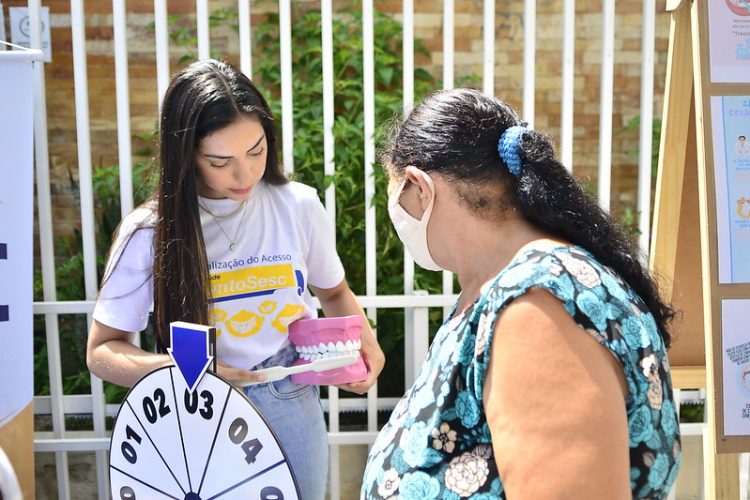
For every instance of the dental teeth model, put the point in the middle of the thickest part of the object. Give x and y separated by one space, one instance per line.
326 338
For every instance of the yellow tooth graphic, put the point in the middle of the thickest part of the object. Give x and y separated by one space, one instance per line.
289 313
216 316
267 307
244 324
743 208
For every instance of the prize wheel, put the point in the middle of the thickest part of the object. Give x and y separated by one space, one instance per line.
170 442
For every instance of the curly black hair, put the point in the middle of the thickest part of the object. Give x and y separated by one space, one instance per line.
455 133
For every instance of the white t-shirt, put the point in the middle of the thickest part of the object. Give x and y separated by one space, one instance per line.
284 243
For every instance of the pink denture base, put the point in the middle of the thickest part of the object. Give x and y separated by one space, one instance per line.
312 332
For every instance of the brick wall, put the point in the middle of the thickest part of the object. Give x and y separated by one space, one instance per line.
428 27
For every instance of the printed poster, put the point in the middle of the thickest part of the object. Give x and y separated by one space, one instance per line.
730 120
20 31
729 40
16 235
735 342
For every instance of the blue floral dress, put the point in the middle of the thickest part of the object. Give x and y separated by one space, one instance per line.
437 443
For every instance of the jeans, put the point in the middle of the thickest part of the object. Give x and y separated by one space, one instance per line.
294 413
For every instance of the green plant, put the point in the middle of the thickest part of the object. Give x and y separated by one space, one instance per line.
348 130
692 413
629 216
182 32
634 125
629 222
69 275
308 162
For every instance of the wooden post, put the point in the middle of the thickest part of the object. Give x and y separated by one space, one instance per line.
684 248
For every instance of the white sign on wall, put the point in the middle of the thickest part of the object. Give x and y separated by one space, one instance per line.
20 33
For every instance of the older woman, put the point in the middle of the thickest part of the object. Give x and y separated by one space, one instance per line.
550 379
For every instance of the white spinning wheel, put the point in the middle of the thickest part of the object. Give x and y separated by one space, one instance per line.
170 442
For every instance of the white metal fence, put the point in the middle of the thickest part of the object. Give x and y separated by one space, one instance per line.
415 304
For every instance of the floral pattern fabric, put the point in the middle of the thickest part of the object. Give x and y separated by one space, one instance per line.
437 443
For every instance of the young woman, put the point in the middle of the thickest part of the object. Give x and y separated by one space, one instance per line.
227 241
550 379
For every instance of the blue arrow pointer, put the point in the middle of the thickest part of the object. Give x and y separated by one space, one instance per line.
189 351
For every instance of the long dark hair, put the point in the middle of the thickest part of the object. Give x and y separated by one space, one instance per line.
455 133
204 97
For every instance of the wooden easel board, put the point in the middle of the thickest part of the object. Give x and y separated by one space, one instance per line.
680 275
723 107
701 244
702 250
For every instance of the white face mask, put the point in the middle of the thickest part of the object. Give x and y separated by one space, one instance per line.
413 232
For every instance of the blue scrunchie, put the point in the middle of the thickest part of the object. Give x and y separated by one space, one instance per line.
508 148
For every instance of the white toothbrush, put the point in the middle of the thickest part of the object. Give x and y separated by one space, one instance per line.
278 372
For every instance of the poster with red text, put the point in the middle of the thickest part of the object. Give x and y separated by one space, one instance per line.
729 40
